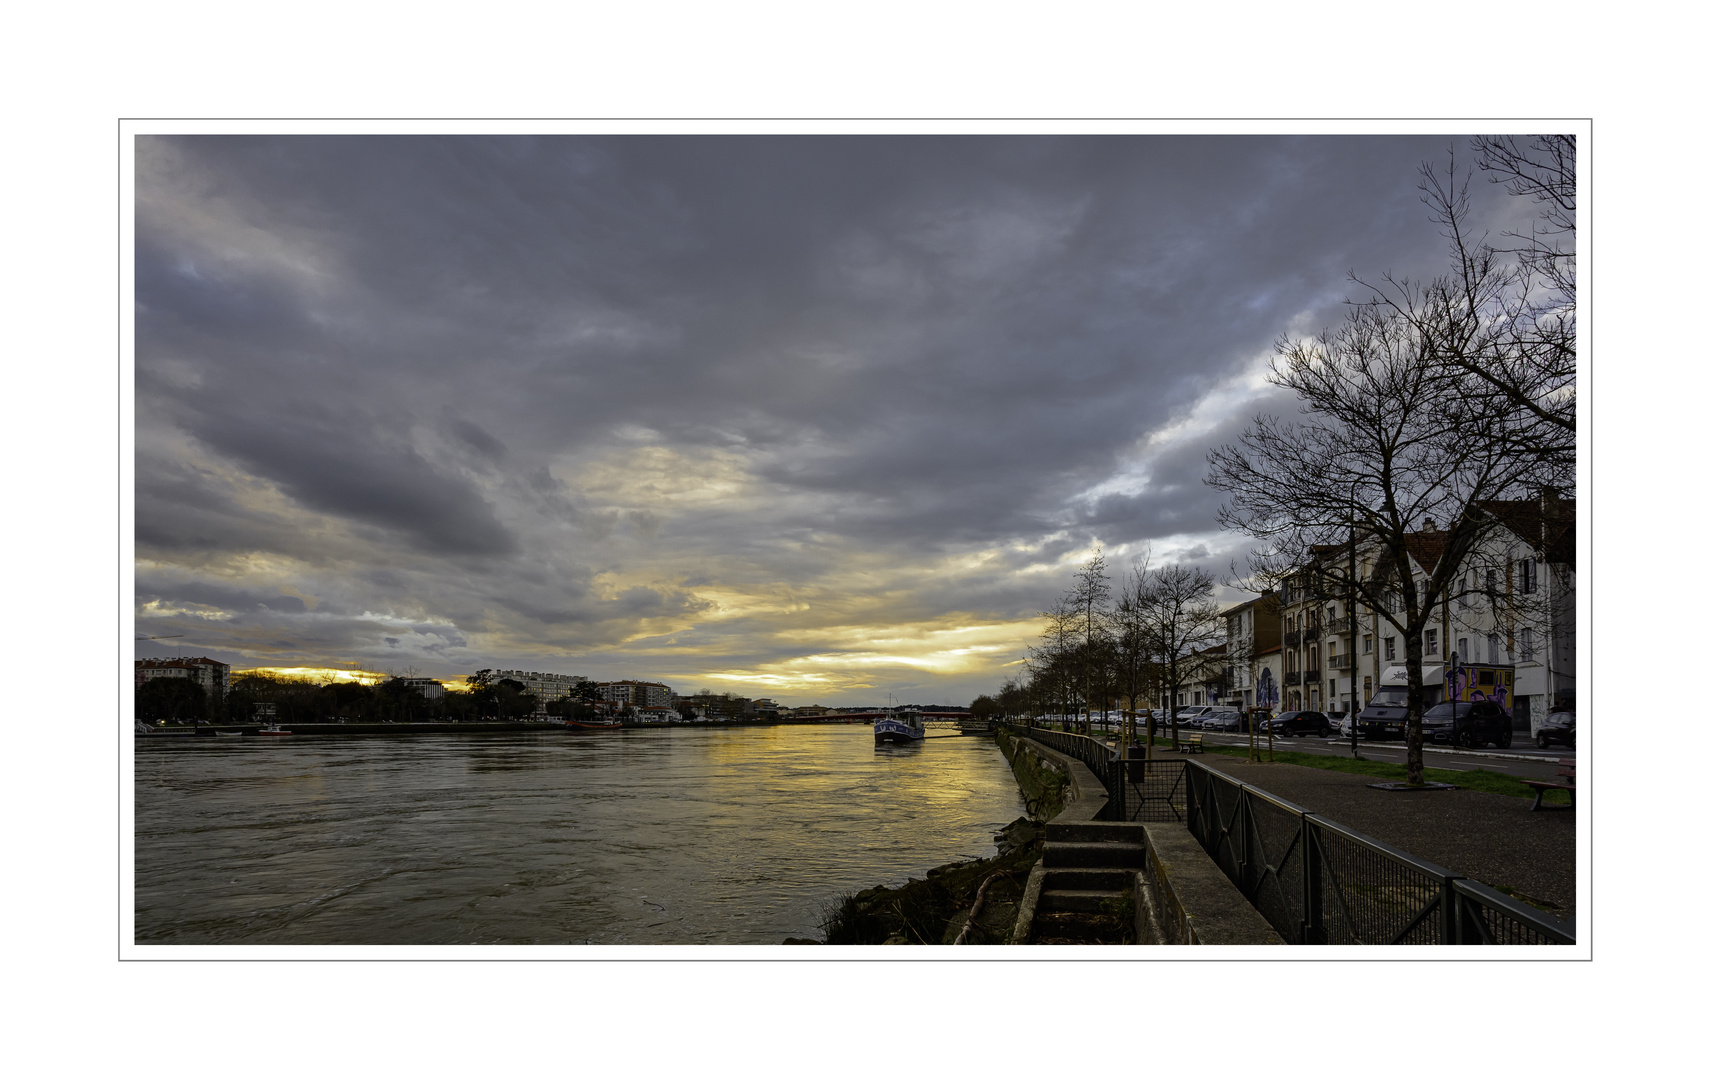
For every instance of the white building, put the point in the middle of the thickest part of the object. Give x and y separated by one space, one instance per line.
635 692
1512 603
211 675
428 688
544 685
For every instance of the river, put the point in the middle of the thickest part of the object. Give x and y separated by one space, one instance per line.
681 835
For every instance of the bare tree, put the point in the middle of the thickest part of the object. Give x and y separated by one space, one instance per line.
1132 639
1183 621
1379 461
1092 590
1051 659
1501 323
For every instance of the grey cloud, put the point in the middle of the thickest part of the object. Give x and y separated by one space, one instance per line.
921 345
481 442
334 463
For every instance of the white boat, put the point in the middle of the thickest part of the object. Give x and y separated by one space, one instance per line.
905 726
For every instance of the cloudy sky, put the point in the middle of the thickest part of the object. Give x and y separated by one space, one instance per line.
821 418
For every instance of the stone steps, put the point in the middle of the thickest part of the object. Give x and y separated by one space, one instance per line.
1102 854
1090 901
1109 878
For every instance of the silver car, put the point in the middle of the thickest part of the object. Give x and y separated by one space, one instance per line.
1222 721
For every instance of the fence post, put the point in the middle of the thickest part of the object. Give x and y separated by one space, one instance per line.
1312 885
1447 908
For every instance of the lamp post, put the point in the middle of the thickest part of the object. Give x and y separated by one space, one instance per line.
1354 715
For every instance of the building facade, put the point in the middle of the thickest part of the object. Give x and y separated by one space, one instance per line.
544 685
213 676
1251 630
1511 603
635 692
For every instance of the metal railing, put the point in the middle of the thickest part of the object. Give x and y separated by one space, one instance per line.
1315 881
1320 883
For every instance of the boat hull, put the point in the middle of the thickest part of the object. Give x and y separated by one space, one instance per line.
889 731
572 725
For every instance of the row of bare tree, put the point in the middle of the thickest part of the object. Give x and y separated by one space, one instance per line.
1431 400
1134 642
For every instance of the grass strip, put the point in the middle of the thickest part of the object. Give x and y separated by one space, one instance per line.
1478 780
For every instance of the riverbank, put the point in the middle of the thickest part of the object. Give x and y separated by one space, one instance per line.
936 910
976 901
468 727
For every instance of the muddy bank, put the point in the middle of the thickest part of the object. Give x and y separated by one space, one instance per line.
1044 784
936 910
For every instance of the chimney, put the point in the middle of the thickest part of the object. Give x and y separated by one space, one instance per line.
1550 515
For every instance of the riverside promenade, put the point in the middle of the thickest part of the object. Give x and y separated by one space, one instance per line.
1495 839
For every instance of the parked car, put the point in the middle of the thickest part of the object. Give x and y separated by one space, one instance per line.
1189 716
1223 720
1558 727
1468 723
1296 724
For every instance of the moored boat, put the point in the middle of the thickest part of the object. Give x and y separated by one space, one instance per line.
272 729
903 726
593 725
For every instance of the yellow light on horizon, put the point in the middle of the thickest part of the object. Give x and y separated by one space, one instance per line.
316 674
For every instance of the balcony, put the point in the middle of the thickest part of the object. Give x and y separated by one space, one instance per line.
1310 675
1345 662
1292 678
1292 637
1310 634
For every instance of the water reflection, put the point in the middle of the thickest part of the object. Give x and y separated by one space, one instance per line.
631 837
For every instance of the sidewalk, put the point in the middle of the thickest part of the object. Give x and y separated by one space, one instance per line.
1494 839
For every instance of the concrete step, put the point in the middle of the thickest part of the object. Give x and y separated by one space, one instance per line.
1115 879
1087 832
1080 928
1091 901
1096 854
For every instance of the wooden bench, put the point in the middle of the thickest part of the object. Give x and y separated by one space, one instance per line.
1565 772
1196 744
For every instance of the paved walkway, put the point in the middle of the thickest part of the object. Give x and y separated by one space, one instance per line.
1494 839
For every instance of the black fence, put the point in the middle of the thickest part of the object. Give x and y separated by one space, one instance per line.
1315 881
1320 883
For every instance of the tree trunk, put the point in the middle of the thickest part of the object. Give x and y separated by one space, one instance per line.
1416 700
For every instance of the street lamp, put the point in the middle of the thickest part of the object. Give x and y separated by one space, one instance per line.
1354 716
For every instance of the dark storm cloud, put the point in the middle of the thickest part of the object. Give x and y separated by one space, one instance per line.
539 386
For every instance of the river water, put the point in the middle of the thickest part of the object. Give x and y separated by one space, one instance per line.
681 835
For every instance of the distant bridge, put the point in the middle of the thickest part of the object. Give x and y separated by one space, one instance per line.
962 719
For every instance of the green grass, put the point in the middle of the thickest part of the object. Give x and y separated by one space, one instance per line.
1477 780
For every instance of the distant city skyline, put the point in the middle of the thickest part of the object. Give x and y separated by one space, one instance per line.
817 418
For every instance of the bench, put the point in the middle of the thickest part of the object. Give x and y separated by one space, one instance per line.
1565 771
1196 744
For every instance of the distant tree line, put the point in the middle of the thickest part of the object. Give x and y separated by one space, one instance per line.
304 701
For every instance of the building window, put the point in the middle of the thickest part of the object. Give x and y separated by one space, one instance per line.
1491 648
1366 643
1461 651
1431 643
1390 648
1526 643
1529 576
